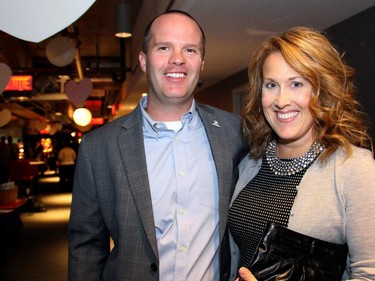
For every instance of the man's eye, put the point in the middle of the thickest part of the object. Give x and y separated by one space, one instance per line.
191 50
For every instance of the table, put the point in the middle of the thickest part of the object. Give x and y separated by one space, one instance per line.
10 224
16 205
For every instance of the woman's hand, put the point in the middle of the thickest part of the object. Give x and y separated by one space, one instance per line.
246 275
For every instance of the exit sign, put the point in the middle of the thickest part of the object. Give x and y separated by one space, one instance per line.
20 83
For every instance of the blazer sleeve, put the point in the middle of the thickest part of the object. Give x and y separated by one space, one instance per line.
88 237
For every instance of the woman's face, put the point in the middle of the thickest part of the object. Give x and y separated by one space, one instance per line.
285 102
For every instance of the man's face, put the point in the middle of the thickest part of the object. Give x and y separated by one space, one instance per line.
174 61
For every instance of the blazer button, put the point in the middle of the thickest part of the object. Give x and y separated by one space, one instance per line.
154 267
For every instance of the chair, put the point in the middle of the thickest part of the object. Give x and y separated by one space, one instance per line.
25 174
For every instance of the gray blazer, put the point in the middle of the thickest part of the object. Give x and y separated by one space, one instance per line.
111 197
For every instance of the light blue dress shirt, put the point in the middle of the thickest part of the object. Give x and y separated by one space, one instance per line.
185 197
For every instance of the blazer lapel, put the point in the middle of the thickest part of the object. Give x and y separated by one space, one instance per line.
223 160
134 159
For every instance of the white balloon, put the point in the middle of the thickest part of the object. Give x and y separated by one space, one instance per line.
36 20
5 116
60 51
38 125
5 74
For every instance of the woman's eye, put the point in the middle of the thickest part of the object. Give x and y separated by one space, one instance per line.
296 84
270 85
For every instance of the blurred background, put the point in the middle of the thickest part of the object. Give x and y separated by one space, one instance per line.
56 89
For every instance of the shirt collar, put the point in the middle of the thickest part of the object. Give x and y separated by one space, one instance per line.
190 118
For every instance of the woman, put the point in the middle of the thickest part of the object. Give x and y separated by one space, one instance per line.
310 169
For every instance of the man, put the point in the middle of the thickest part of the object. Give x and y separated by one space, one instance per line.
157 181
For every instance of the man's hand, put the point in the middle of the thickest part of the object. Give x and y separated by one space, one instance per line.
246 275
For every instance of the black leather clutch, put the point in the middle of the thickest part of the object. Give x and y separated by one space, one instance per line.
284 254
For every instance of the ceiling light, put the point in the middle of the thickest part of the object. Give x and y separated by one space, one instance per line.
123 25
82 116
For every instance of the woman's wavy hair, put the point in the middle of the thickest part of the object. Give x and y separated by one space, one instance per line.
339 121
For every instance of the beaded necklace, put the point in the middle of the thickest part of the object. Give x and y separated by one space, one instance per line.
289 167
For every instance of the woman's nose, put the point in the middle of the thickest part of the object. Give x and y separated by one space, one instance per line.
282 99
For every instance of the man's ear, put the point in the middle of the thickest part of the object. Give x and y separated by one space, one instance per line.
142 61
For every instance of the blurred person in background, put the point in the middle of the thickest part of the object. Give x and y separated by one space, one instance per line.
5 155
66 163
13 147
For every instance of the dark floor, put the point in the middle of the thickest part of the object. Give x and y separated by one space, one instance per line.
41 250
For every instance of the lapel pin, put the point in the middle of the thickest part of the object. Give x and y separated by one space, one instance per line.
215 123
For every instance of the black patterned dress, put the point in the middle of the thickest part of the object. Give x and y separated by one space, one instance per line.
265 198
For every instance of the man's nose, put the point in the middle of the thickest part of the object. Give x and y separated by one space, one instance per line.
177 58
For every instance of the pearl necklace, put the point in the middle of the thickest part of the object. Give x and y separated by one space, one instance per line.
295 165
